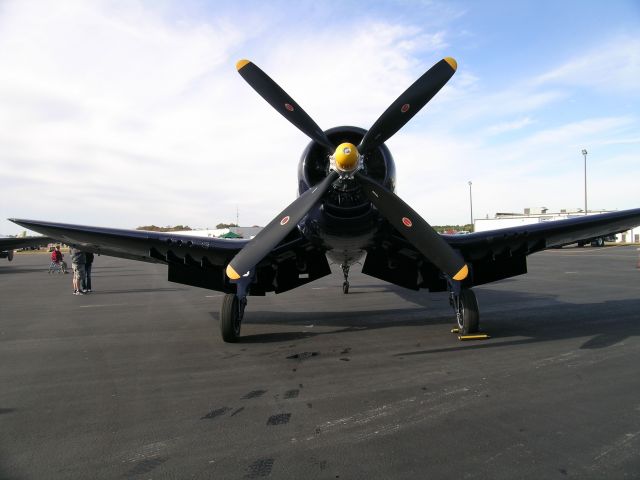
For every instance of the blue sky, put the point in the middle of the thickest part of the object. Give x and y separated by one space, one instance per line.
129 113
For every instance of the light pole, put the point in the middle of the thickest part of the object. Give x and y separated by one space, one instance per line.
584 153
471 204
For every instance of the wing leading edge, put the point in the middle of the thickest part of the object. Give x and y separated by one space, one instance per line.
192 260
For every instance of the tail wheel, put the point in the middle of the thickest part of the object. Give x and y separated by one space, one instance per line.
230 318
345 287
467 314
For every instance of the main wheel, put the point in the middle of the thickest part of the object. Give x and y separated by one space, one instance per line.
230 320
467 313
345 287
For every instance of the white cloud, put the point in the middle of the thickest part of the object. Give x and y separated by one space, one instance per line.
117 114
613 66
508 126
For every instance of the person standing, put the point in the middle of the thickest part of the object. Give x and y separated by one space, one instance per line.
77 263
88 263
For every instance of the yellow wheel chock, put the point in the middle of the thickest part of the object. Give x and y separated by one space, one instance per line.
473 336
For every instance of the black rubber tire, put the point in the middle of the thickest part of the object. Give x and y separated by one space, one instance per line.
598 242
345 287
470 313
230 321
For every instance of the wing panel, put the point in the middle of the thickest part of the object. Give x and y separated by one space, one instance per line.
527 239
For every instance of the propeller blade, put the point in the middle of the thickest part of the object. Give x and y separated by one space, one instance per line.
281 101
278 228
408 104
415 229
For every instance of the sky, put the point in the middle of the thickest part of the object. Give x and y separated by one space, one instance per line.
131 113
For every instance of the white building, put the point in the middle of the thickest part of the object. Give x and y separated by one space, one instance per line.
542 214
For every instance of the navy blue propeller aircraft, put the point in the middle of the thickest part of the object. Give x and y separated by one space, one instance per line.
346 210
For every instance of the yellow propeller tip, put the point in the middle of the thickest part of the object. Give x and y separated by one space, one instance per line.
452 63
462 273
241 63
231 273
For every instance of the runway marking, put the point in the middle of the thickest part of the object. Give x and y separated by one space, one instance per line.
628 437
151 450
508 450
368 416
586 252
106 305
620 452
145 466
432 406
213 296
561 358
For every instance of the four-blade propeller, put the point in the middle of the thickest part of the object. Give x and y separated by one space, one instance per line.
281 101
346 160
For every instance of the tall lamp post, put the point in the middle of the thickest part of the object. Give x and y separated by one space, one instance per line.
584 153
471 204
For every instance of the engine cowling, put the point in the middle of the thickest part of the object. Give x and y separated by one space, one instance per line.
346 196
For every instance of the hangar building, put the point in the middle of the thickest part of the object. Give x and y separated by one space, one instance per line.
542 214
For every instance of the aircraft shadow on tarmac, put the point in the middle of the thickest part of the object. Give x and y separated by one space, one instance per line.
603 324
536 317
10 270
136 290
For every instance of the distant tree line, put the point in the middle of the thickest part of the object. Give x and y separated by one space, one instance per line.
438 228
453 228
153 228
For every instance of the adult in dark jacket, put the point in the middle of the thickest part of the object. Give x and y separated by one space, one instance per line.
88 256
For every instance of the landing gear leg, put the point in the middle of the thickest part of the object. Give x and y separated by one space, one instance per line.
232 312
465 307
345 272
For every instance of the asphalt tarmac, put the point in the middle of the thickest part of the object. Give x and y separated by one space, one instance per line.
133 380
